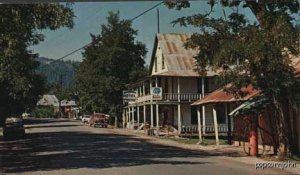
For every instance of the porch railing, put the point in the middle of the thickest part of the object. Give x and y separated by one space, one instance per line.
222 128
181 96
172 97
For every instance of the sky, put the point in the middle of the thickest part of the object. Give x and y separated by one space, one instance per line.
91 15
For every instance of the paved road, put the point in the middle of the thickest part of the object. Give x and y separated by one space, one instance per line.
66 147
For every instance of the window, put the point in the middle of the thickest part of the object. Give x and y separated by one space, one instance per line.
166 85
194 117
221 118
163 63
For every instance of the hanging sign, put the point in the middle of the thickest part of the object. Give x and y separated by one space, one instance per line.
156 93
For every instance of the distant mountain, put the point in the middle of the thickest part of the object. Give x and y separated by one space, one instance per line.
54 69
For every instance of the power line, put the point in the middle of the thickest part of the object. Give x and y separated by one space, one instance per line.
136 17
83 20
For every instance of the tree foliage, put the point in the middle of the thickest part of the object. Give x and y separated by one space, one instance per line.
261 48
112 60
20 27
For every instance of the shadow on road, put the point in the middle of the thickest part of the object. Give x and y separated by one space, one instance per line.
34 121
72 150
50 126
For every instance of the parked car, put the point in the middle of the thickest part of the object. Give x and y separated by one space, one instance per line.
99 120
86 119
13 127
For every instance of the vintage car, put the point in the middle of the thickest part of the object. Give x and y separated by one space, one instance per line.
86 119
99 120
13 127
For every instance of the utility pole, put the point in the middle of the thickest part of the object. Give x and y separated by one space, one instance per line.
61 86
157 20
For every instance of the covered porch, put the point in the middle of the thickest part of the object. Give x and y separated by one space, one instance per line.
213 110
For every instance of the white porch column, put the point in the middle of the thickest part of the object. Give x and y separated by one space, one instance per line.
151 115
138 115
129 117
132 117
156 108
199 125
123 117
203 107
144 114
179 108
157 120
216 126
151 106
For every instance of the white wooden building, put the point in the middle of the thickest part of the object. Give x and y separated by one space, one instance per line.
172 72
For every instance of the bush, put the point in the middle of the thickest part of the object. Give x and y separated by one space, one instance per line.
43 112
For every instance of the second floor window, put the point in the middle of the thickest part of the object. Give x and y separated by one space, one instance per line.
163 62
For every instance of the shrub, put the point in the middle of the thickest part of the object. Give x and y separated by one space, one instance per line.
43 112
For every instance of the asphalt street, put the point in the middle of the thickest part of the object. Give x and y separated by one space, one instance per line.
69 147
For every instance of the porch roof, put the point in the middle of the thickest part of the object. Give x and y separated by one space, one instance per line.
221 96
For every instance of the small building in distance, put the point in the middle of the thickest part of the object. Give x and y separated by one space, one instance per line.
49 101
69 108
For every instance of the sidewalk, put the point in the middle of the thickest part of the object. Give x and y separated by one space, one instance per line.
232 152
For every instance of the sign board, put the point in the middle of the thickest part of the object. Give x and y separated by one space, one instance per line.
156 93
129 96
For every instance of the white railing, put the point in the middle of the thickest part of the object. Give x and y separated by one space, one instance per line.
221 128
171 97
182 96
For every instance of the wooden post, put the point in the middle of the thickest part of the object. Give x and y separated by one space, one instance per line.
138 116
203 120
151 106
123 118
228 124
132 118
199 125
144 115
157 121
157 115
151 114
203 107
129 117
216 126
179 108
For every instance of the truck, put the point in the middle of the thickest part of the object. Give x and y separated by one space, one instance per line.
99 120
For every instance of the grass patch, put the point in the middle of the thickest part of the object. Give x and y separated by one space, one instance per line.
195 140
296 158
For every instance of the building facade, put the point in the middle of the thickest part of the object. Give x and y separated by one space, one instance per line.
163 100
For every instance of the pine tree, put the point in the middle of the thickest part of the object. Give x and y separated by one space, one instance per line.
113 60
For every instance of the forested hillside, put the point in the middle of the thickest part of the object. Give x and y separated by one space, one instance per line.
54 69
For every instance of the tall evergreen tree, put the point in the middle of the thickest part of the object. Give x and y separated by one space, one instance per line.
111 61
20 27
262 49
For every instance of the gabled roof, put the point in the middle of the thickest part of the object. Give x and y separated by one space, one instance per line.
48 100
68 103
179 60
221 96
